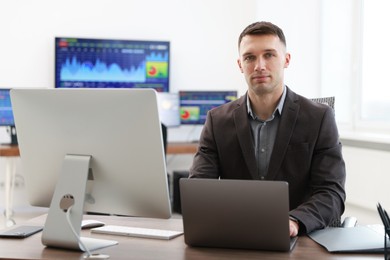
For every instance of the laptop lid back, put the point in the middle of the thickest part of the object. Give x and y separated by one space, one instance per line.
245 214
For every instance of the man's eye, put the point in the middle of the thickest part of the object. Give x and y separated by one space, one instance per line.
249 58
268 55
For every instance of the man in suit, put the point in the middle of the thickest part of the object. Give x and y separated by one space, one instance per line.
272 133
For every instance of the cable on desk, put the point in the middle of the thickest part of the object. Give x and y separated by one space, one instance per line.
84 247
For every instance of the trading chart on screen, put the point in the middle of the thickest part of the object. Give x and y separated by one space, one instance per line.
105 63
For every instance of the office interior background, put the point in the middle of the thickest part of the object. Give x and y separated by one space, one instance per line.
327 40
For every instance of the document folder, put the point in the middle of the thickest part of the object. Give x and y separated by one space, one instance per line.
359 239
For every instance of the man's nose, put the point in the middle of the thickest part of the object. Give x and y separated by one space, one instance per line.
260 64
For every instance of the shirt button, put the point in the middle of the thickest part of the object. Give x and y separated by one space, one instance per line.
262 150
262 178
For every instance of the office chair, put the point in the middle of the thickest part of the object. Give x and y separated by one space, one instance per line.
330 101
164 133
325 100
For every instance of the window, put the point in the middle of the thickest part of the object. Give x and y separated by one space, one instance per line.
375 86
355 46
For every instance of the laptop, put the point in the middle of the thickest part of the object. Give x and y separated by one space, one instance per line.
240 214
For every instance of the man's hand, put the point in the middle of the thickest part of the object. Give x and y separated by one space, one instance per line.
294 227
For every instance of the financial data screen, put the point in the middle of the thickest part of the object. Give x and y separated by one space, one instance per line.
105 63
194 105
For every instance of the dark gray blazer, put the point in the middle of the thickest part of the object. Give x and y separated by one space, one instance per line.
306 154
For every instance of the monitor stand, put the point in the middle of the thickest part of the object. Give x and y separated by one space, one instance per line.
69 194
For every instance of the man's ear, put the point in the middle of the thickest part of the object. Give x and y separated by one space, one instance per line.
287 60
239 65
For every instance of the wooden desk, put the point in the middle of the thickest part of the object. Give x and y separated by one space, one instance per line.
142 248
9 150
182 148
173 148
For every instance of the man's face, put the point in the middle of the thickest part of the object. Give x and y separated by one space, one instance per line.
263 59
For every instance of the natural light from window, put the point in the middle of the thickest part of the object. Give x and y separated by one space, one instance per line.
375 99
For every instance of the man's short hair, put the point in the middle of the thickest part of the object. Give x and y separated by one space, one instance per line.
262 28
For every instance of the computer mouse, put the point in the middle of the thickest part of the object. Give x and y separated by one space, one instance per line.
90 223
349 222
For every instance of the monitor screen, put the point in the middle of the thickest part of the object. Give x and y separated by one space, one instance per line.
194 105
168 108
6 115
123 138
109 63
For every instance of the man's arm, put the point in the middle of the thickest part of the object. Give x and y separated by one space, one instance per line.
206 161
327 180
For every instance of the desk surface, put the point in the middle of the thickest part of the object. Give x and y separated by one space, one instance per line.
182 148
9 150
144 248
173 148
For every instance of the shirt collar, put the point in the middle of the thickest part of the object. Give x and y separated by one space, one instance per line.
278 108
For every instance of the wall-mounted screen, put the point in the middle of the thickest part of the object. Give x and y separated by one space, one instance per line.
107 63
194 105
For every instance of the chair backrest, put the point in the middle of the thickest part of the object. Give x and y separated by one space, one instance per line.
325 100
330 102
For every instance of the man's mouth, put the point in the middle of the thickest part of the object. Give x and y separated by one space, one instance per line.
260 78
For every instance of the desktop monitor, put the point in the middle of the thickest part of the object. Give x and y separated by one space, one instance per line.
6 114
168 108
101 146
110 63
194 105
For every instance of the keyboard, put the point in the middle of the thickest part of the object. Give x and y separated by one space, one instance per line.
137 232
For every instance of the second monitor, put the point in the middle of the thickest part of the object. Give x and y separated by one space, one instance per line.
194 105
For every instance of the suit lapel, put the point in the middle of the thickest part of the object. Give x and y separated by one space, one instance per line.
245 136
283 136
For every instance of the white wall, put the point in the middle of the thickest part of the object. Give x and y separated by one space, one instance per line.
203 36
367 177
